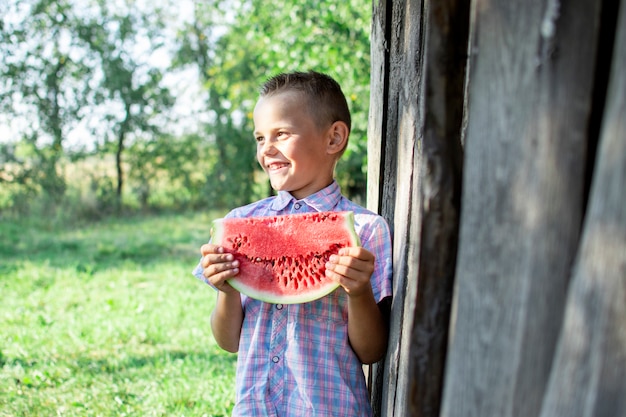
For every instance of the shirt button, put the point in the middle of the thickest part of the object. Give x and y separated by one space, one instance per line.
279 306
297 206
275 359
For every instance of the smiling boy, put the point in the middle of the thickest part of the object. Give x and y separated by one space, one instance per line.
304 359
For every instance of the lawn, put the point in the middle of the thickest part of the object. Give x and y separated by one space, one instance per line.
105 319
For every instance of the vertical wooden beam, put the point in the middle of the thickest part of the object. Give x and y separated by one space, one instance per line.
587 378
394 131
380 168
530 94
404 124
440 170
387 162
415 152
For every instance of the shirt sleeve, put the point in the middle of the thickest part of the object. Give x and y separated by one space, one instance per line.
198 273
376 237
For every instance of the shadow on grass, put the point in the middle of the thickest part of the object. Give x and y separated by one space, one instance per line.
115 365
102 244
111 365
58 252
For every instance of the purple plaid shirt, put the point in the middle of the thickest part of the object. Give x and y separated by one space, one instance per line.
295 360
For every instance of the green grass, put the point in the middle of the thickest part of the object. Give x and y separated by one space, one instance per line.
106 320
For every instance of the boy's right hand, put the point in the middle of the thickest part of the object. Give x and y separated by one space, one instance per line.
218 266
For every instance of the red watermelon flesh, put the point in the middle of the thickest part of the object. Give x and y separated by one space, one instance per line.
282 258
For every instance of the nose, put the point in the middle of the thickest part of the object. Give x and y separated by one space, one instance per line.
267 147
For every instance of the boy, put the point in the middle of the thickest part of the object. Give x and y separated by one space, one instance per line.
304 359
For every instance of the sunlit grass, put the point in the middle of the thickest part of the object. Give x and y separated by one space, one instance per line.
106 320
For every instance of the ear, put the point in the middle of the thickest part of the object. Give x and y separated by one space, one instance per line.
338 134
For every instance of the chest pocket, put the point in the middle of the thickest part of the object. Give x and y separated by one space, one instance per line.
332 308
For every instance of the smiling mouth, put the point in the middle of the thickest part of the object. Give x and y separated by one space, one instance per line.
276 166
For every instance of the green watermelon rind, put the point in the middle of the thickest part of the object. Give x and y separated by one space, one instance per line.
282 299
304 297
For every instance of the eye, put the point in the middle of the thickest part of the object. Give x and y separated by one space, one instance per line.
282 134
259 139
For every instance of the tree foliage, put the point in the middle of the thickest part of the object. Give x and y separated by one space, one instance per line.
263 40
100 68
128 89
44 83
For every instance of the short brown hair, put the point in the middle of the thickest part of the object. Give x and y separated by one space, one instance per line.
326 100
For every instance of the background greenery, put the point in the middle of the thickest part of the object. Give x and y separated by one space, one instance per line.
105 319
97 120
125 127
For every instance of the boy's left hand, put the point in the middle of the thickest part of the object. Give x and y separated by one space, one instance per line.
352 268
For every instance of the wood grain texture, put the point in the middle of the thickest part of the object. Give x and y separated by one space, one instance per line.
440 170
530 90
587 377
419 163
379 85
537 319
398 189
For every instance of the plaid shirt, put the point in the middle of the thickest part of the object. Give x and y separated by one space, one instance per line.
296 360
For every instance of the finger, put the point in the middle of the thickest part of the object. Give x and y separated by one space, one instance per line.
338 273
337 269
350 285
210 248
227 268
219 278
335 276
216 258
342 263
220 281
357 252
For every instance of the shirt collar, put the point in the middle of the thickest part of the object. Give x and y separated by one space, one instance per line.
324 200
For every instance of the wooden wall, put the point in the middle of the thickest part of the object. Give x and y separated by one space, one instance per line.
497 151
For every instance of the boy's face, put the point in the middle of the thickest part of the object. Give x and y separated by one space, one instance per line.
291 147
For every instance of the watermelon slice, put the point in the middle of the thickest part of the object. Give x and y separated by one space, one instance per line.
282 258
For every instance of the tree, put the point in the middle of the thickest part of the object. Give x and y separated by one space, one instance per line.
129 88
63 65
44 85
323 35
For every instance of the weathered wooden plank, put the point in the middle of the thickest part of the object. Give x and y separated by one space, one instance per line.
587 377
419 165
440 170
377 171
398 190
379 85
530 94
